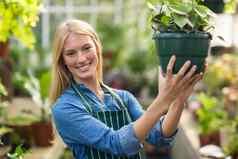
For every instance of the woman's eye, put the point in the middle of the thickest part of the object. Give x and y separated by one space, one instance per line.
71 52
87 48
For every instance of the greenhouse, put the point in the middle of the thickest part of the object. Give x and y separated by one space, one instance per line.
131 79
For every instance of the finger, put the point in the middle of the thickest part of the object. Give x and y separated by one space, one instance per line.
188 76
170 67
197 78
183 70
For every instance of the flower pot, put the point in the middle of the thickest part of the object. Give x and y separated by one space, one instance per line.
24 132
213 138
4 49
217 6
43 134
235 156
186 46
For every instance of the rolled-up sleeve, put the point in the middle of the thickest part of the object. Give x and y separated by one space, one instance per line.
155 136
76 125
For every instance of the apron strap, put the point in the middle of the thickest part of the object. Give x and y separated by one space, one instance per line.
85 103
119 100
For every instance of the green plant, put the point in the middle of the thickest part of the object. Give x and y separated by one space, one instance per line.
39 88
210 114
230 6
17 19
19 153
231 148
3 104
222 72
180 15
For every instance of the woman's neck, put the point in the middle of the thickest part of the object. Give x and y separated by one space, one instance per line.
94 86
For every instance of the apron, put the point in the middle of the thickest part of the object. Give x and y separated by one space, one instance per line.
113 119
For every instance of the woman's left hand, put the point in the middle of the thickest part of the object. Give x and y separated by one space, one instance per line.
182 98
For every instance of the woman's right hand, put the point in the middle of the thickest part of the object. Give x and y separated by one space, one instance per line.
173 85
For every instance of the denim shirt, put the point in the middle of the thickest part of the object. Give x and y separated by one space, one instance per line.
78 128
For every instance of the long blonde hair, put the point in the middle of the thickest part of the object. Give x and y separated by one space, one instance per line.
60 74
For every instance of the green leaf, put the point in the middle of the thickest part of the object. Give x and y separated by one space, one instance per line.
3 91
180 21
165 20
150 6
176 10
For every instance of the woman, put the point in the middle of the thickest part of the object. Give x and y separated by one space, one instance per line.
96 121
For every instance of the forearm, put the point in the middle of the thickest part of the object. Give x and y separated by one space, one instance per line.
146 122
172 118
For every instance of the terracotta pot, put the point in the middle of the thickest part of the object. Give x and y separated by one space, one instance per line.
213 138
43 134
25 132
235 156
4 49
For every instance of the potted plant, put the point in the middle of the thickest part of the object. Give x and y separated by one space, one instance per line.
210 119
181 28
42 129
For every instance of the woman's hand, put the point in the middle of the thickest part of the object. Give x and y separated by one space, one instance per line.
182 98
175 85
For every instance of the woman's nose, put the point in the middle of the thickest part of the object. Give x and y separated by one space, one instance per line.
80 58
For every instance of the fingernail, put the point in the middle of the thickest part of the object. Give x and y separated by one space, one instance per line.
194 67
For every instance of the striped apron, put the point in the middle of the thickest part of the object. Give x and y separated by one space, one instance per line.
113 119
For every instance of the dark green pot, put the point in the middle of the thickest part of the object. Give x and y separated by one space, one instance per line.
186 46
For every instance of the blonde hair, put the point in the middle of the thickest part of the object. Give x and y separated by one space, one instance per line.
60 75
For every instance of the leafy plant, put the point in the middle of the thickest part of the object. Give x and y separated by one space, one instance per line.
3 104
180 15
17 19
222 72
230 6
210 115
38 88
231 148
19 153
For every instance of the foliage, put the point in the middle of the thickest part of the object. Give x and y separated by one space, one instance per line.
231 148
230 6
39 88
112 37
210 115
222 72
17 19
3 91
19 153
22 119
3 104
180 15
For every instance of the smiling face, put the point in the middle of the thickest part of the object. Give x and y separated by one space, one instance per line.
80 56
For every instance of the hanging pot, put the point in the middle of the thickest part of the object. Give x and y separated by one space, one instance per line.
186 46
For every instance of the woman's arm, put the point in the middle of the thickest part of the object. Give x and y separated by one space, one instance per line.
171 90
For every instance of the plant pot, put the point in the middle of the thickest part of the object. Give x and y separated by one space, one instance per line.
235 156
43 133
24 132
213 138
217 6
4 49
186 46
